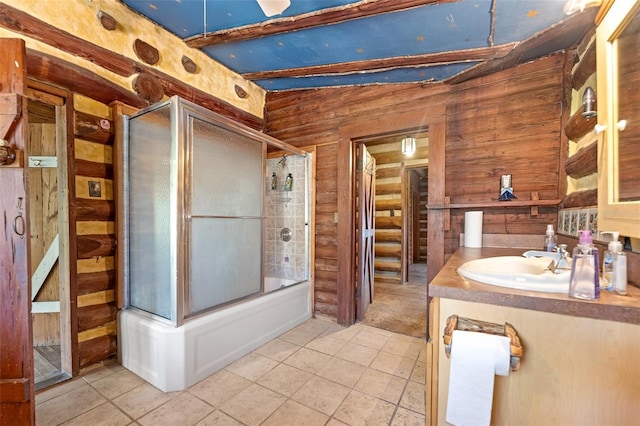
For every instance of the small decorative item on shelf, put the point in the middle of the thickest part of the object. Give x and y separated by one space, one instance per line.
288 183
506 191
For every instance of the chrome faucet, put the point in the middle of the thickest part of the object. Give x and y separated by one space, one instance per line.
562 260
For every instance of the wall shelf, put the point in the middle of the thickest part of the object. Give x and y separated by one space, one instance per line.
534 202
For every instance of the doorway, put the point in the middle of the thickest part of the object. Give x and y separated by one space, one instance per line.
416 224
48 221
399 301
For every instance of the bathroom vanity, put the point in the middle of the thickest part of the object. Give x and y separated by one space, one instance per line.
580 358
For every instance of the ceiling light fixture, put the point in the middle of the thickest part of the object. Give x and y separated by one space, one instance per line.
573 6
408 145
273 7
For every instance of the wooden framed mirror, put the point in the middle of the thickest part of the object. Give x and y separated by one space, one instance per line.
618 53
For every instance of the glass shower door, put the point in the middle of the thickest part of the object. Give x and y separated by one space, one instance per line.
225 216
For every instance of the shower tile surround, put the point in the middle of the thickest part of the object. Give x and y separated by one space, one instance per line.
286 209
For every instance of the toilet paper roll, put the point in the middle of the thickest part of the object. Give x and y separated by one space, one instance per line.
475 360
473 229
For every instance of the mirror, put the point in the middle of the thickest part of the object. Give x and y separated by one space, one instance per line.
618 74
628 143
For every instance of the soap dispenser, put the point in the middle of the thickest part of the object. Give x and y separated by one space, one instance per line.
585 272
550 240
614 266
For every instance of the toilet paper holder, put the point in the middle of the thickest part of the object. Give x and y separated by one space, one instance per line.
454 322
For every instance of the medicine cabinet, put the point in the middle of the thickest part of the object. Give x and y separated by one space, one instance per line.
618 60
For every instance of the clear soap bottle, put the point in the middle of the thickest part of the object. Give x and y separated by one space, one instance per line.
550 239
585 271
614 266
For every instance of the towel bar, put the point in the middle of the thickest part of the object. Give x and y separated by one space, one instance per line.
459 323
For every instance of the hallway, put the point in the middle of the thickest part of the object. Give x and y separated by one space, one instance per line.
401 308
319 373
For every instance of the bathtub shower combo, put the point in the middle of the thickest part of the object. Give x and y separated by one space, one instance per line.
216 256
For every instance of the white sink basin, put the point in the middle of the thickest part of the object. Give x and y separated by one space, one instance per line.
517 272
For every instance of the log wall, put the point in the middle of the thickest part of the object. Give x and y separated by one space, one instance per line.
506 123
93 196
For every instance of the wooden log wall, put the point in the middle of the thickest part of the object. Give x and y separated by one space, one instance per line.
506 123
326 250
388 247
95 230
510 123
582 165
422 222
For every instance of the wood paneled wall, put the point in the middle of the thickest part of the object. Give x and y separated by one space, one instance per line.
95 230
326 250
506 123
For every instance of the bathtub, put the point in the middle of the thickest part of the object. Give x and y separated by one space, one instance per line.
274 283
174 358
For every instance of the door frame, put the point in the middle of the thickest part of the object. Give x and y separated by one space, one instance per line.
432 117
61 99
406 217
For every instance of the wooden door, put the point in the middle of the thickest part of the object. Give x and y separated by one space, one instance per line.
48 220
17 405
365 232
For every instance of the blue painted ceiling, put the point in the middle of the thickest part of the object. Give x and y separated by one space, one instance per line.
370 41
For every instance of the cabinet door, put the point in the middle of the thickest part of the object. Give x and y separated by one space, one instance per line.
618 47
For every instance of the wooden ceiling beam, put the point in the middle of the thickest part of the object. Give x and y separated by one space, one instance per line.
333 15
373 65
571 29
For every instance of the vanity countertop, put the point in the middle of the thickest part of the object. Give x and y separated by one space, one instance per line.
449 284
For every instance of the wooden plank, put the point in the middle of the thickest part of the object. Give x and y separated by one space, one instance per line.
96 227
388 250
91 246
92 152
99 298
96 315
45 307
94 282
584 198
388 222
45 266
578 125
392 204
95 210
96 349
584 162
585 68
93 128
327 16
388 188
14 391
43 161
17 404
98 264
94 169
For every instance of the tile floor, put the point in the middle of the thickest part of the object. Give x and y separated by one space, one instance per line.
316 374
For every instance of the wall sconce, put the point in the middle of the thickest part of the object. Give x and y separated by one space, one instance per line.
589 103
408 145
573 6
